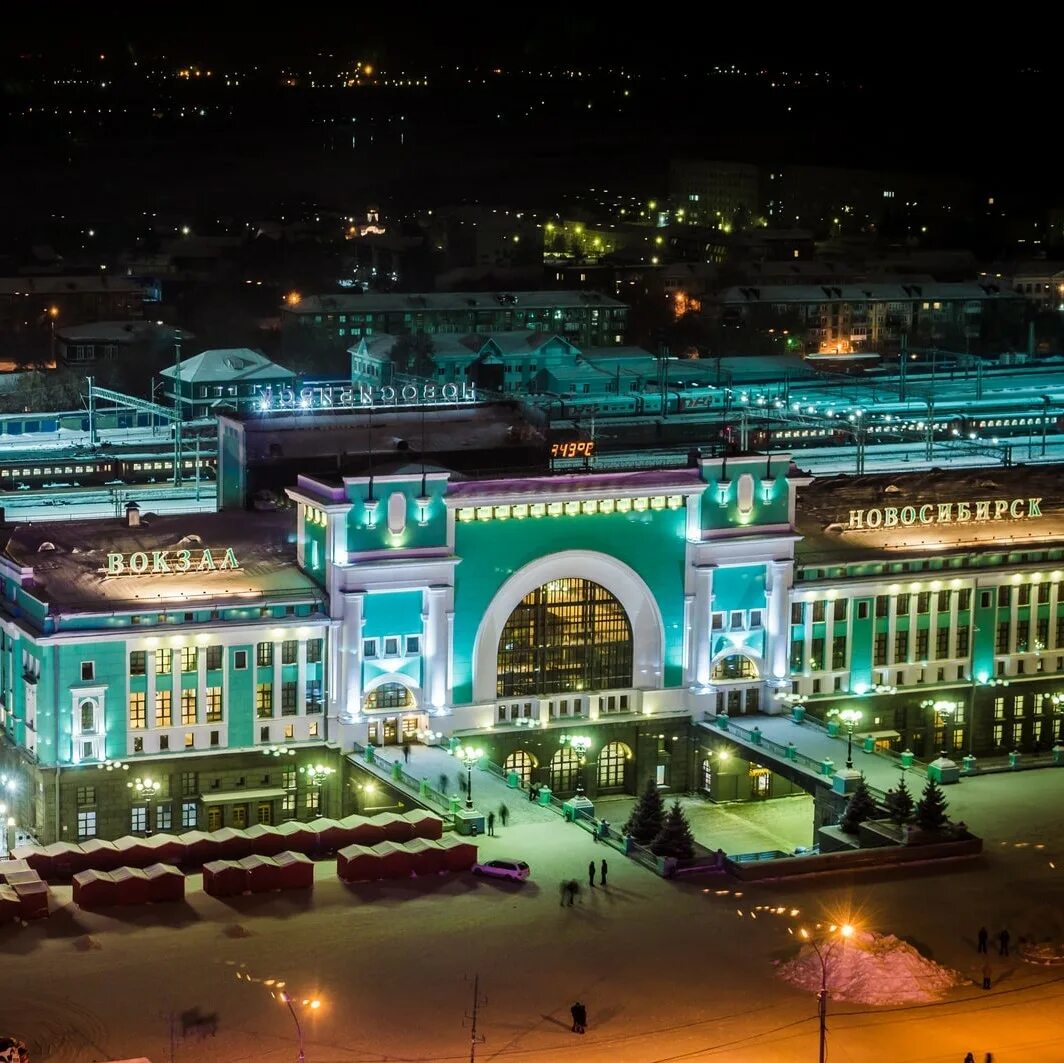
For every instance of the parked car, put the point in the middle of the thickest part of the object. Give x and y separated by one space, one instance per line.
517 870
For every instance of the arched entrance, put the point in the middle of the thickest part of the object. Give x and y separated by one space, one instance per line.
612 762
521 763
392 714
737 680
647 630
564 636
564 770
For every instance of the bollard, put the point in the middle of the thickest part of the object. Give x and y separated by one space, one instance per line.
833 728
512 781
798 713
969 764
722 720
452 804
544 796
1058 754
1014 758
791 751
827 766
423 788
755 736
907 758
869 744
397 771
369 754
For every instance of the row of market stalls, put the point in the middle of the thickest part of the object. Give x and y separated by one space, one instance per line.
258 874
128 885
420 856
23 894
64 860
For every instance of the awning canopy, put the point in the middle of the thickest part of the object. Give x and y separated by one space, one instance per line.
231 797
877 735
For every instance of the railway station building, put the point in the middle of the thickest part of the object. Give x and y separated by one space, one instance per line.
219 654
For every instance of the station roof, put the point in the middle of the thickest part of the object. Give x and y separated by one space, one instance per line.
70 567
227 365
824 507
432 302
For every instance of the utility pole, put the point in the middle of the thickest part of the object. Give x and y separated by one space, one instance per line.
177 407
903 367
474 1040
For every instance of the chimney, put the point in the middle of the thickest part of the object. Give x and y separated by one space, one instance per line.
132 515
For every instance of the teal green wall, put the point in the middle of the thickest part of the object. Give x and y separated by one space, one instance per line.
242 699
361 537
983 632
652 543
391 613
862 635
775 510
742 587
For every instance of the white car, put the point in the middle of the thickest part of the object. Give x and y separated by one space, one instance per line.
517 870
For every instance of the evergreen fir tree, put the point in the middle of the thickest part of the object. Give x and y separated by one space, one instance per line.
931 808
674 838
861 806
900 803
648 816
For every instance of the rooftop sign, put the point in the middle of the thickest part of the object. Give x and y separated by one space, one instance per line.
361 396
946 513
172 562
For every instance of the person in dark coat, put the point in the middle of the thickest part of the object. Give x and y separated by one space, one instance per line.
983 935
579 1014
969 1058
491 824
531 794
591 874
406 752
1003 943
602 874
504 814
986 975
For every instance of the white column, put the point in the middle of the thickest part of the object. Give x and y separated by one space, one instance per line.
301 677
436 655
700 631
201 683
778 627
349 696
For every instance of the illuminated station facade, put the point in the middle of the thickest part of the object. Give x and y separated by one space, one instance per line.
414 603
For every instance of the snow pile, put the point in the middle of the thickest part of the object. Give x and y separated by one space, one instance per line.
1047 954
871 969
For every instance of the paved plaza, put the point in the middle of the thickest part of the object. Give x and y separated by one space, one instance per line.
668 970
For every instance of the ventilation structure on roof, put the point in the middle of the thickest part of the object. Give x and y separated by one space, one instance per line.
45 547
186 540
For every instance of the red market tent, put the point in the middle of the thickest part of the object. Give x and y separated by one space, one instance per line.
394 827
10 867
359 830
9 903
428 858
131 885
296 871
19 878
395 861
198 848
328 835
266 840
461 855
164 849
263 873
133 852
232 844
224 878
298 837
94 889
165 883
98 854
32 899
424 824
357 863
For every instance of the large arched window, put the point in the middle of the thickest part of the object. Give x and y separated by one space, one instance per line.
564 770
88 716
568 635
521 763
389 696
737 666
611 764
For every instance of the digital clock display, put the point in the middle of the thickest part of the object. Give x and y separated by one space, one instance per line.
576 448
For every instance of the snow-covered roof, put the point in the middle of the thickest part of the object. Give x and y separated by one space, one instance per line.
376 303
114 331
227 365
69 561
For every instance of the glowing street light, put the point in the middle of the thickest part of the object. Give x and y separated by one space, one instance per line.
312 1003
835 936
316 775
850 717
145 789
469 755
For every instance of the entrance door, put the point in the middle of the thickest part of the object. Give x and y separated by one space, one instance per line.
266 812
240 816
391 730
214 817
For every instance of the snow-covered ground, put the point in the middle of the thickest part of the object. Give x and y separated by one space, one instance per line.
668 970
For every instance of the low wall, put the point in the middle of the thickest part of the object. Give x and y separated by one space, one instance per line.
854 860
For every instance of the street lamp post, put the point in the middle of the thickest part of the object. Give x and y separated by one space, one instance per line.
317 774
145 789
469 755
845 931
850 717
286 998
579 744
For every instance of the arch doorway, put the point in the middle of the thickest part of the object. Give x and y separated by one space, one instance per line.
564 770
738 682
521 764
566 635
611 764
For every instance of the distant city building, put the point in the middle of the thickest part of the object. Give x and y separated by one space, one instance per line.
36 302
1040 283
227 377
582 317
710 193
856 318
108 341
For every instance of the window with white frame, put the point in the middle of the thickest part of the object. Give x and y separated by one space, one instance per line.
138 818
189 814
87 823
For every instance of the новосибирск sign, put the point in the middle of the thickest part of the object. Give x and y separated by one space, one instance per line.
945 513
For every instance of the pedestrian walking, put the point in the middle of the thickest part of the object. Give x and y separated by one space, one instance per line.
1003 943
591 874
969 1058
602 874
444 783
573 888
595 830
406 752
532 793
986 975
579 1014
983 935
562 893
491 824
504 813
989 1058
